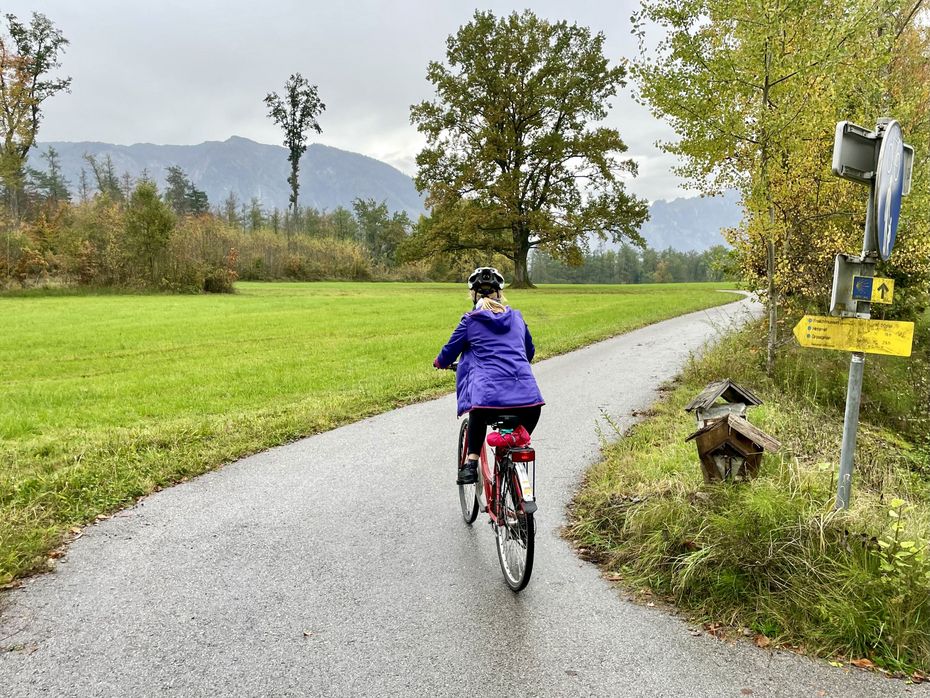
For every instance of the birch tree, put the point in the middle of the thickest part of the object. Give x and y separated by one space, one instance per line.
742 83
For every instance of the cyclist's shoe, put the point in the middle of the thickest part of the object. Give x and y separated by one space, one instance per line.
468 473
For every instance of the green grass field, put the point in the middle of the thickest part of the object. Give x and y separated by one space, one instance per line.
108 397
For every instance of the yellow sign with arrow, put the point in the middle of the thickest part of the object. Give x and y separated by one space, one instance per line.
853 334
873 289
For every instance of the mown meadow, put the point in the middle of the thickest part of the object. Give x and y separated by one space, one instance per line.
109 397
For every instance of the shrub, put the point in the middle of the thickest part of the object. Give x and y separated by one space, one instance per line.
149 223
31 266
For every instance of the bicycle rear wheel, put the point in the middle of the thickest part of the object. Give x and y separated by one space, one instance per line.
516 533
468 494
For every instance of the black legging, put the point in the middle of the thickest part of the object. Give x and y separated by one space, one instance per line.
479 418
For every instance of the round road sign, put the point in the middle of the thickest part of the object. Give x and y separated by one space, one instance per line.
889 187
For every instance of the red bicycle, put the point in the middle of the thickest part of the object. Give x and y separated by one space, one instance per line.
507 494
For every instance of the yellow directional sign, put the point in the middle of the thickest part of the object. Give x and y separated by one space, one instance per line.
873 289
853 334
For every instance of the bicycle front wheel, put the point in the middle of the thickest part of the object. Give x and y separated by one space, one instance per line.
516 533
468 494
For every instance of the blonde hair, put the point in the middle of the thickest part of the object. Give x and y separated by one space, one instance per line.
495 305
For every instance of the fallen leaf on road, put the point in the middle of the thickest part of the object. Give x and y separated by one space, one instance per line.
745 691
821 694
863 663
919 677
308 633
615 578
836 664
76 530
571 672
55 554
102 517
762 641
651 604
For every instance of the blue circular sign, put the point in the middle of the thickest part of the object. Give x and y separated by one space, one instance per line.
889 187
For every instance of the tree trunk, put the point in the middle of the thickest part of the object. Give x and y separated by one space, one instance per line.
773 302
14 202
770 225
295 164
521 249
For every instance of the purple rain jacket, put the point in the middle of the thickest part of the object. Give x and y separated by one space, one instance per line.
495 367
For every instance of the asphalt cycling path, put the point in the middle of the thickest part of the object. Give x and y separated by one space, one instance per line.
339 566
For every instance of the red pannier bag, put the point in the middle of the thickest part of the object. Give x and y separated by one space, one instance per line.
517 438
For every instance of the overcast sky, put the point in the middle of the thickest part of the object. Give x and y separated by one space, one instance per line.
187 71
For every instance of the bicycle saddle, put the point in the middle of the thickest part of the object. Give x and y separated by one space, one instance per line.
507 422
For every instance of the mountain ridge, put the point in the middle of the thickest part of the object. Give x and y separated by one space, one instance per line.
329 177
691 223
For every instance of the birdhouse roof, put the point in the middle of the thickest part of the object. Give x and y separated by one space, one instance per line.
726 389
741 426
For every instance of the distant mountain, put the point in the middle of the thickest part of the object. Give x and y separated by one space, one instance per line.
693 223
329 177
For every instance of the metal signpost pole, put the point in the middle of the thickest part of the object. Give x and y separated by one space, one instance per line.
888 179
854 388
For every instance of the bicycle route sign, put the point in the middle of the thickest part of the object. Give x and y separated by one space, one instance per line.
855 334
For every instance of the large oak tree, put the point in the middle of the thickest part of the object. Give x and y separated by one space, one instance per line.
515 158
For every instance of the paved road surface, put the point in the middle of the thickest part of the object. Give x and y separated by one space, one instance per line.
338 566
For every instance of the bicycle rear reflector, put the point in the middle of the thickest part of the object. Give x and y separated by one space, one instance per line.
522 455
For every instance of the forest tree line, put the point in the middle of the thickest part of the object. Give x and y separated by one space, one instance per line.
636 265
127 232
121 231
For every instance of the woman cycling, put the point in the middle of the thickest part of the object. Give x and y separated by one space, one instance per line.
494 375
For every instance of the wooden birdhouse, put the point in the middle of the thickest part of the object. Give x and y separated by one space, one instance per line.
729 446
735 400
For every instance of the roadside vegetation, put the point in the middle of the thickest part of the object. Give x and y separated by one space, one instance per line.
108 397
772 555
